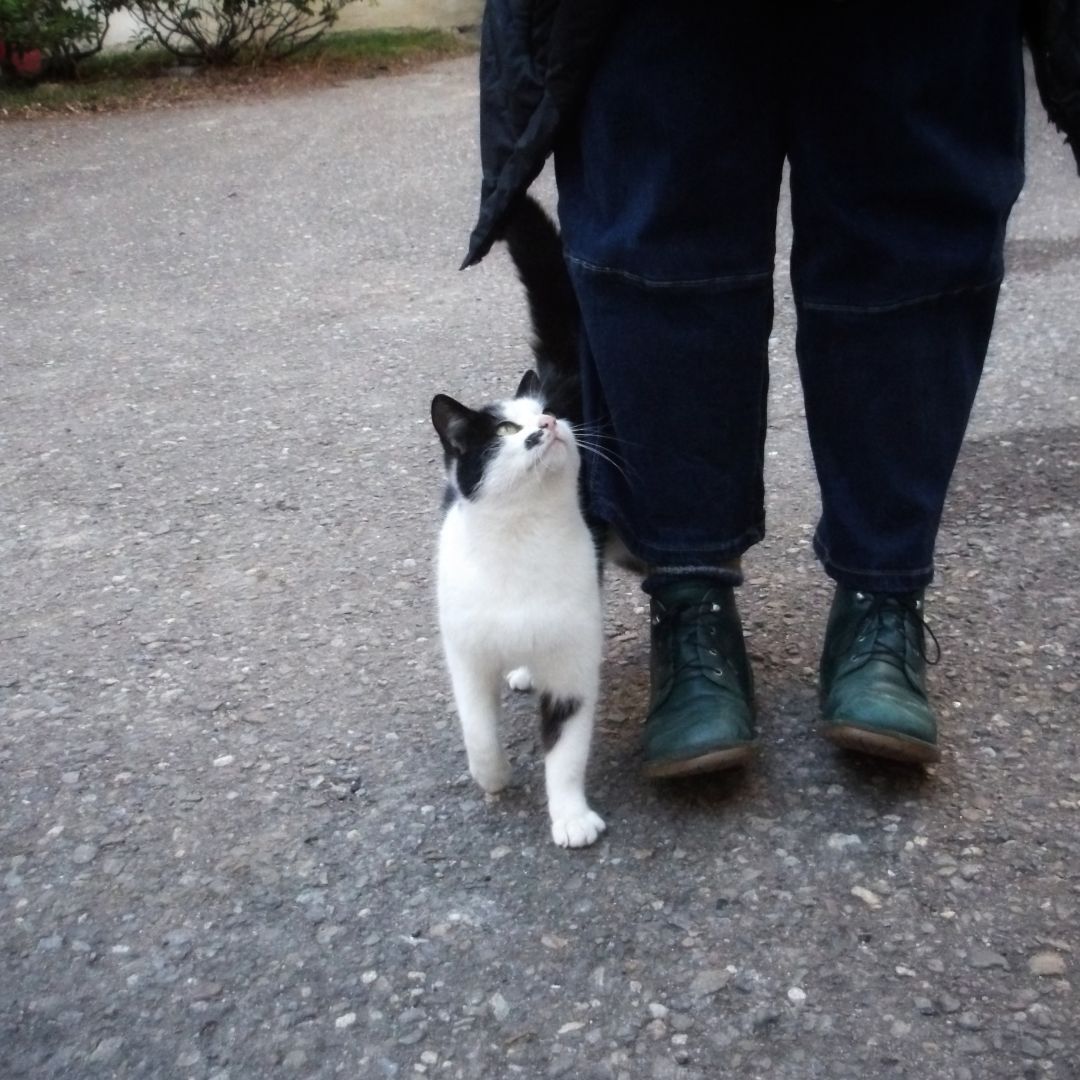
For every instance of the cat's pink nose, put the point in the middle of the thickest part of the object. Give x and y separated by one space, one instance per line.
547 421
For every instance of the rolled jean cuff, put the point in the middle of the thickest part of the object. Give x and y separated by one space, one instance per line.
726 573
874 581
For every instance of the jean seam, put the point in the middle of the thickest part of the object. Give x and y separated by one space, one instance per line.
897 305
726 551
703 568
733 280
826 557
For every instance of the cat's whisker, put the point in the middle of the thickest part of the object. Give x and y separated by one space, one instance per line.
615 464
592 430
588 442
584 429
597 440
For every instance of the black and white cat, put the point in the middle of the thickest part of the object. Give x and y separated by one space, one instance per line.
519 592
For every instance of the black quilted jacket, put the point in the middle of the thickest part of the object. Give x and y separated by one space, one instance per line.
536 56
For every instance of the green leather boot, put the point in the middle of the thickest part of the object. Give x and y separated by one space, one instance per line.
873 676
701 716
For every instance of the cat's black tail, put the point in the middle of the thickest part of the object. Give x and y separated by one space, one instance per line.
536 248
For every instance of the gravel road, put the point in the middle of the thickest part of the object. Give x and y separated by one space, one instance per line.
237 839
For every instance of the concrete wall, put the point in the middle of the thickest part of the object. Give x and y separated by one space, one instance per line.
362 15
443 14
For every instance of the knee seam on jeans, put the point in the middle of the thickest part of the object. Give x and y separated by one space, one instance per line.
895 305
732 281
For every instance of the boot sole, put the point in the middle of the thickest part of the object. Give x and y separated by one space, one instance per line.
713 761
878 744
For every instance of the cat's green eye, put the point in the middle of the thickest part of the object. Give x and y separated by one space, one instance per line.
507 427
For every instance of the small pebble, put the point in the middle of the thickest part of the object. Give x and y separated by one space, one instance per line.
1031 1048
980 957
709 981
870 899
1047 963
840 841
107 1049
84 854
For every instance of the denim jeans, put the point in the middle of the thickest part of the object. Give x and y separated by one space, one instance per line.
903 127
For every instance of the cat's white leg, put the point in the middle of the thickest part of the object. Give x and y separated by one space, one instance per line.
566 729
476 694
520 679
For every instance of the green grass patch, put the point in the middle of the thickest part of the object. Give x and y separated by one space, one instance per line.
381 45
67 97
151 77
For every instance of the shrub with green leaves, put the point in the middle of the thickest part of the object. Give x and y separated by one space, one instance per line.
64 32
224 31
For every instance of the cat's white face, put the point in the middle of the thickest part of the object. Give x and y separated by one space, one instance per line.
511 447
532 447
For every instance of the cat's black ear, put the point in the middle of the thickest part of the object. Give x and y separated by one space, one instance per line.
530 386
452 421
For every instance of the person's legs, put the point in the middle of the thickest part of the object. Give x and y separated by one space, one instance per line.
668 187
906 158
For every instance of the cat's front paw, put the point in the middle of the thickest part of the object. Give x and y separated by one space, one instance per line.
578 830
520 679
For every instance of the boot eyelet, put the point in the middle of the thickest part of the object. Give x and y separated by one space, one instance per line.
716 607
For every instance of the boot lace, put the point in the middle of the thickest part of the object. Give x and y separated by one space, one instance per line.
883 631
682 625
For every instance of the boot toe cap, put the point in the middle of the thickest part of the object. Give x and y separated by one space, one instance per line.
706 727
900 727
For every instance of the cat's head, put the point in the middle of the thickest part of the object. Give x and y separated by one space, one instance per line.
514 446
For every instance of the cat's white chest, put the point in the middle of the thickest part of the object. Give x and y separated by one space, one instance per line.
522 589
